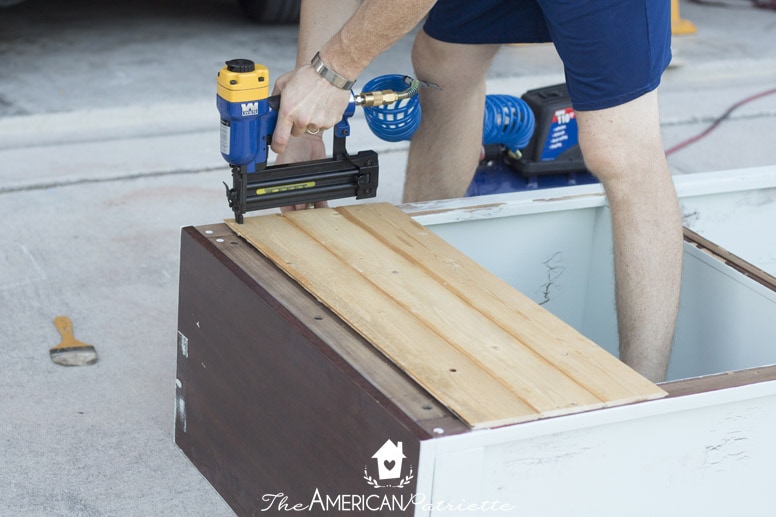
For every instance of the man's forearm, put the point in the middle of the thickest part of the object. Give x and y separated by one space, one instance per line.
318 22
311 102
375 27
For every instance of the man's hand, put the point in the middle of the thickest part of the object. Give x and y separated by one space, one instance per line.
303 149
308 102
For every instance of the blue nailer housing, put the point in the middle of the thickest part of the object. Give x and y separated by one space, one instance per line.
245 127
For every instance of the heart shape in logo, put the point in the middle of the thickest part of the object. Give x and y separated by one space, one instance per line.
389 464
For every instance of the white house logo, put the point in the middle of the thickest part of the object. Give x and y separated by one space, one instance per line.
386 470
249 108
389 463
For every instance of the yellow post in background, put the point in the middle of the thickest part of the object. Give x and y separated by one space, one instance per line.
678 24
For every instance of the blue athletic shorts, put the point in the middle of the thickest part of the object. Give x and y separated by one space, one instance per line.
613 51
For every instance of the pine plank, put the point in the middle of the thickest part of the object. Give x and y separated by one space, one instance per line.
484 350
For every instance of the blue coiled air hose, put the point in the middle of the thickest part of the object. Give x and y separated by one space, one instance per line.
508 120
393 122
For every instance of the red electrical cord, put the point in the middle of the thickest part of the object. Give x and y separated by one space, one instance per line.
718 121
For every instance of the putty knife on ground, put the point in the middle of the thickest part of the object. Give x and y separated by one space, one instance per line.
71 352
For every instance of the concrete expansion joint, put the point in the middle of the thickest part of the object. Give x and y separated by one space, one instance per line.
85 181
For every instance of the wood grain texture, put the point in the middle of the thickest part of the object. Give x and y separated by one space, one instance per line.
485 351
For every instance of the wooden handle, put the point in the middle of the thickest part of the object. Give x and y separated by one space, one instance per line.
65 328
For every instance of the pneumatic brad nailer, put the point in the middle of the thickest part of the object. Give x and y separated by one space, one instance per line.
248 118
392 112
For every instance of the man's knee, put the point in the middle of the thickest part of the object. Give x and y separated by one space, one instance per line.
450 65
600 160
622 140
622 161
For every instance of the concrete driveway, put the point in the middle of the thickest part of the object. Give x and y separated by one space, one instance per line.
109 145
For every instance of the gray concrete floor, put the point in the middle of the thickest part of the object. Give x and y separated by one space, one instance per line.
109 144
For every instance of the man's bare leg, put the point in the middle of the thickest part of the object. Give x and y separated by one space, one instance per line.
622 145
445 149
624 148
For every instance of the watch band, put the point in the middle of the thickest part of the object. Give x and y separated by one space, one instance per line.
330 75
